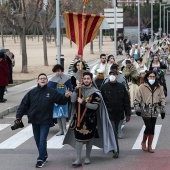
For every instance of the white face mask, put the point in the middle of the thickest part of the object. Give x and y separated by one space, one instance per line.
151 82
112 78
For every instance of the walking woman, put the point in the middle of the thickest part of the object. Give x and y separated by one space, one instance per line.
149 102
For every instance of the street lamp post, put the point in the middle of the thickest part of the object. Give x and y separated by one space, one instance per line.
58 31
138 23
167 22
115 28
160 17
164 16
151 20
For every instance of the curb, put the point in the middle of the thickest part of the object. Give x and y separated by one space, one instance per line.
9 110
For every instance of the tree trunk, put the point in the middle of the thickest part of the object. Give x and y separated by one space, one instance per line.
38 34
91 48
24 52
2 37
45 49
14 36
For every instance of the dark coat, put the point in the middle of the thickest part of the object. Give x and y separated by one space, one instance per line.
9 61
4 72
117 100
38 104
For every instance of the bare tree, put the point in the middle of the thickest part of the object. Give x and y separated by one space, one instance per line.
2 31
93 6
44 19
20 15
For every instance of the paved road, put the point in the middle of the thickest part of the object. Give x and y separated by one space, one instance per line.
18 150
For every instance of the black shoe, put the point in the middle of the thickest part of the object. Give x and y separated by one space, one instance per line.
116 155
45 159
39 164
3 100
75 165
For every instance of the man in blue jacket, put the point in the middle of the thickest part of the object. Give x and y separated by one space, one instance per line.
38 104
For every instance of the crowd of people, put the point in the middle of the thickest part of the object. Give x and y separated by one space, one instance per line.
97 102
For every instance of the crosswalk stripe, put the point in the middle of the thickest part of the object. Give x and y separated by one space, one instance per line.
3 126
17 139
55 142
137 144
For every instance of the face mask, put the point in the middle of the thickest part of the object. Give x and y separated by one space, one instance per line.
151 82
112 78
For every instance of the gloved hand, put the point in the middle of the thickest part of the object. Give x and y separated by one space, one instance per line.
138 113
162 115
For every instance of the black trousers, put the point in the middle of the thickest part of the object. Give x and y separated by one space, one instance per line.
115 125
150 125
2 88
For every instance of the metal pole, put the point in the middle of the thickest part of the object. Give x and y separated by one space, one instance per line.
164 20
115 30
58 31
167 23
100 40
151 20
160 18
138 23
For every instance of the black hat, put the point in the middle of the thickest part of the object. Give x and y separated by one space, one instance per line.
113 72
2 55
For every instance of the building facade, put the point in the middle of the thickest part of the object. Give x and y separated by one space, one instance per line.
129 2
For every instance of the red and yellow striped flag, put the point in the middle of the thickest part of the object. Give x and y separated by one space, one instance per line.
82 28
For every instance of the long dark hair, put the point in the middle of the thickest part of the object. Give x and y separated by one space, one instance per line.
108 58
75 68
161 65
156 84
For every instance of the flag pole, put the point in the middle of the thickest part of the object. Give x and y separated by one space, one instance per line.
80 90
81 74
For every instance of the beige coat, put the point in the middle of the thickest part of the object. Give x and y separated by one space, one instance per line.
152 104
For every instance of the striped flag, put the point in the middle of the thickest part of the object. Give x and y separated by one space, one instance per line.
81 28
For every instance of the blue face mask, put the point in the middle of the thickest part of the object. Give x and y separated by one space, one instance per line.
151 82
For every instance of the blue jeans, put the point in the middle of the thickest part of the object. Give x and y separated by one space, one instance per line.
40 135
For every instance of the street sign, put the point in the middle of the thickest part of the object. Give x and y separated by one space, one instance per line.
62 23
109 15
105 25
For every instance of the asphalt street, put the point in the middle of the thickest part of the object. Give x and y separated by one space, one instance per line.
18 150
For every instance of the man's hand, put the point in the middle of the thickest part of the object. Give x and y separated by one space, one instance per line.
79 100
127 118
78 85
162 115
67 93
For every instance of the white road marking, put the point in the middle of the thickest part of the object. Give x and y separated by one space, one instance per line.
55 142
3 126
137 144
17 139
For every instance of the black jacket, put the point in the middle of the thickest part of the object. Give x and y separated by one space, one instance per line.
38 104
117 100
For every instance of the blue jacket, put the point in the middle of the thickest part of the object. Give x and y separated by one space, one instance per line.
38 104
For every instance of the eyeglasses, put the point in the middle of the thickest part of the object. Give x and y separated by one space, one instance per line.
43 78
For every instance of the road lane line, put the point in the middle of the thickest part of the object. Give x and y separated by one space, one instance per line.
56 142
3 126
137 144
17 139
